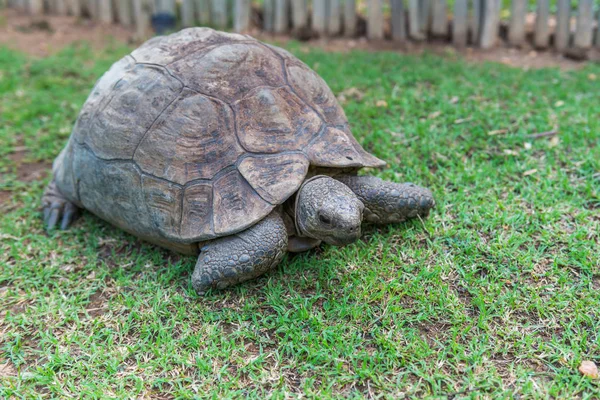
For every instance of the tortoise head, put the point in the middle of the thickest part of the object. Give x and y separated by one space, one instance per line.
328 210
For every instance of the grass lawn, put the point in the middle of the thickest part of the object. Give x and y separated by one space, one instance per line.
496 295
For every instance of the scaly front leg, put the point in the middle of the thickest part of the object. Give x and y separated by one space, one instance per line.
389 202
246 255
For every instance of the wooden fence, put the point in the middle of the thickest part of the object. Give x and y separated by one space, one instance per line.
555 25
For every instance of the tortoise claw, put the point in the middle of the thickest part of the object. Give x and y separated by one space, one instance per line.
52 218
70 214
46 214
57 208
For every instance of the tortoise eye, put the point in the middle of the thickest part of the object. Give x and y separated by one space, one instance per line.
324 219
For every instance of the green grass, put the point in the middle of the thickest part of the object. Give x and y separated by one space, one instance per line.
496 295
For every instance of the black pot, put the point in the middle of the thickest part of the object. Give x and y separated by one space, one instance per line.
163 22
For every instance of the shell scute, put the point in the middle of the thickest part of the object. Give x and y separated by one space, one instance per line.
275 177
333 149
163 202
336 148
236 205
272 120
140 97
313 90
229 71
163 50
111 190
193 139
196 218
98 97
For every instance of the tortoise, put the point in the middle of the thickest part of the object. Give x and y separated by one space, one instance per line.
218 145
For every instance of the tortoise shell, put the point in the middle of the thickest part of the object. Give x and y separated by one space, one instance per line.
201 134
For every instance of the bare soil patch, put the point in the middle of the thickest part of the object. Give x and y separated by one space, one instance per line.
4 197
44 35
26 172
29 171
97 304
7 369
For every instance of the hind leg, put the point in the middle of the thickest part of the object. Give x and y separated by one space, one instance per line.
57 208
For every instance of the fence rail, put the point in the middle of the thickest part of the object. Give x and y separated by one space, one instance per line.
483 23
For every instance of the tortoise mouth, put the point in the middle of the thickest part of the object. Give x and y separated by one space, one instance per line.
346 238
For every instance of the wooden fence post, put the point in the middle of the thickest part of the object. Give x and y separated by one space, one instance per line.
188 15
299 14
490 23
350 18
36 7
585 19
92 8
334 26
375 20
459 25
414 23
281 16
105 12
61 7
476 21
74 8
439 25
268 15
219 13
77 8
319 21
563 25
398 21
425 16
542 30
202 8
124 12
166 6
142 10
597 40
516 28
242 15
